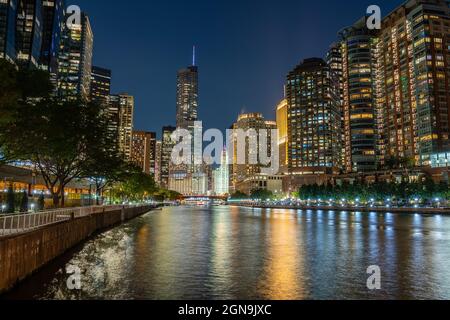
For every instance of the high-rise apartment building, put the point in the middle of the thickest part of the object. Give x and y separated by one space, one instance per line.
334 60
251 124
121 111
396 103
282 125
358 105
8 13
75 63
314 122
166 154
412 81
100 85
143 151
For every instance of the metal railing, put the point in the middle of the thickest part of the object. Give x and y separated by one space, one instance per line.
21 223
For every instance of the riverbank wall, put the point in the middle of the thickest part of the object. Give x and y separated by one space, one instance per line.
22 255
445 211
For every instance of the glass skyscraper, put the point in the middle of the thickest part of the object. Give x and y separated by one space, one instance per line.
8 12
75 63
29 30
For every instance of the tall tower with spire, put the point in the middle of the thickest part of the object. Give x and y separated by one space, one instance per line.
187 95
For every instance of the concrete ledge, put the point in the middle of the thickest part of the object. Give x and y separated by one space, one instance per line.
444 211
24 254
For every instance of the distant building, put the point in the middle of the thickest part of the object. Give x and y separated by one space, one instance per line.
245 122
75 63
100 85
187 97
166 154
283 140
158 154
221 176
121 111
143 151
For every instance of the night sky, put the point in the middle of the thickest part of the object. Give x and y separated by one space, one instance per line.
245 48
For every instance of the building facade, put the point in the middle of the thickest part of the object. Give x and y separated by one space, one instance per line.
100 85
251 124
158 154
221 176
29 32
121 112
283 140
8 13
358 105
75 63
143 151
53 15
314 122
166 154
412 81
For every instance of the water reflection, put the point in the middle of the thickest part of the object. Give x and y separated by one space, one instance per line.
244 253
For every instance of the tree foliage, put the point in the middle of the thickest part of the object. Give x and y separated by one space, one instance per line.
261 194
425 189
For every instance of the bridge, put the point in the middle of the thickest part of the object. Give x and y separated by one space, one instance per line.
204 198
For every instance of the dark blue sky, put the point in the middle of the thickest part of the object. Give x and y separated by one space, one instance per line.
244 50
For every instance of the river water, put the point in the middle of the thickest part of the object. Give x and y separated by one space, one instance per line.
244 253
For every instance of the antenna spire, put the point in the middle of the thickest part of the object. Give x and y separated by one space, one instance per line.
193 56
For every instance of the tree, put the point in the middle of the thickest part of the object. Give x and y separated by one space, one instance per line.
11 200
261 194
135 186
59 138
18 87
104 163
24 202
238 195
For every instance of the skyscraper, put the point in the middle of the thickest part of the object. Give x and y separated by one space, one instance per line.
29 31
100 84
143 151
166 154
8 12
158 154
412 81
334 61
121 111
221 176
53 17
314 122
187 96
358 80
283 140
75 63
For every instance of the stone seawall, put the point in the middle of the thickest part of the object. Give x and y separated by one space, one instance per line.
24 254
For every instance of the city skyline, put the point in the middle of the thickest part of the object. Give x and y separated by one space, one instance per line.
260 57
